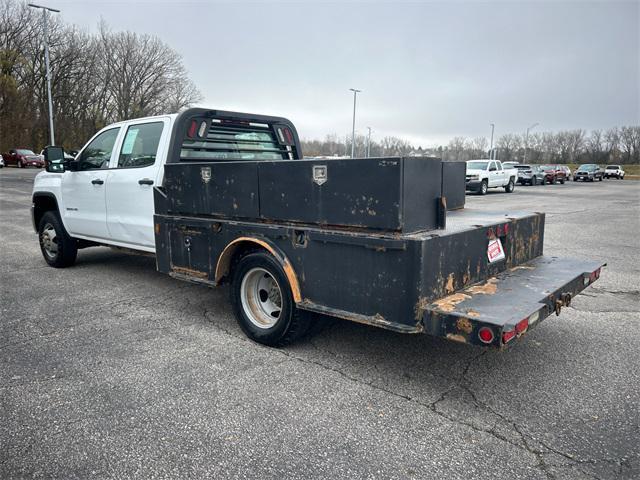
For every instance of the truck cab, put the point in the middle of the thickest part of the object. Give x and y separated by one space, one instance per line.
106 196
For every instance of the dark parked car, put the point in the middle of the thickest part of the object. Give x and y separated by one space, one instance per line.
23 157
530 174
589 171
554 173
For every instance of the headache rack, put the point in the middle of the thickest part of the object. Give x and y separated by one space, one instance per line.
202 135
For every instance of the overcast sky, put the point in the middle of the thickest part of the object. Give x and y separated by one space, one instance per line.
429 71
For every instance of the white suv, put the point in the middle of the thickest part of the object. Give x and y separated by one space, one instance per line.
614 171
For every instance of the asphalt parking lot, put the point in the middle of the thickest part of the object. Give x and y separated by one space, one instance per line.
112 370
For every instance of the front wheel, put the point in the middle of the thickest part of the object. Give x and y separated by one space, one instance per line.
562 181
58 248
263 303
20 164
534 181
600 178
510 187
484 187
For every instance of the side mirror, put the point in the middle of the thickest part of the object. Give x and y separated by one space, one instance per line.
54 159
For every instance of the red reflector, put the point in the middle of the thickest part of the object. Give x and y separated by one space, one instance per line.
192 129
288 136
597 273
507 336
485 334
522 326
506 228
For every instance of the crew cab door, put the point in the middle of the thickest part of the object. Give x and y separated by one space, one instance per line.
129 189
495 179
83 191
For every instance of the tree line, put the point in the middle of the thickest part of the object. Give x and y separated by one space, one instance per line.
615 145
96 79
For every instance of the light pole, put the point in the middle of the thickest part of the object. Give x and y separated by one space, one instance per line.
353 129
526 141
368 142
493 126
46 63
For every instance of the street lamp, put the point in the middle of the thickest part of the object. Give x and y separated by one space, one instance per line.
368 142
526 141
493 126
353 130
46 63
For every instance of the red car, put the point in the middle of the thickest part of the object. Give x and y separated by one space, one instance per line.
554 173
23 157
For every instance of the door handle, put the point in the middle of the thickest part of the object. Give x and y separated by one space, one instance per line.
97 181
145 181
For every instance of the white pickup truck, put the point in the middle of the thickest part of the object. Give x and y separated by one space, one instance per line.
485 174
108 198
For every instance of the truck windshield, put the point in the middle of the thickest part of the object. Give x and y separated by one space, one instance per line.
235 141
477 165
587 168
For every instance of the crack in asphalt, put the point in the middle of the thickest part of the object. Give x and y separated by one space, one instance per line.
460 382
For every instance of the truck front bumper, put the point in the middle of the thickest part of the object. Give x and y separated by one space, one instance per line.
498 312
473 185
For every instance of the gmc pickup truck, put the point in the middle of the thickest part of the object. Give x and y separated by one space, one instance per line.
223 197
485 174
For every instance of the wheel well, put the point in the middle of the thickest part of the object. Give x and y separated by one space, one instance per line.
41 205
244 245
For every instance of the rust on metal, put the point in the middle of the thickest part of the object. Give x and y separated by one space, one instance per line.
448 304
464 325
421 306
224 263
449 285
157 228
456 338
473 313
190 272
489 288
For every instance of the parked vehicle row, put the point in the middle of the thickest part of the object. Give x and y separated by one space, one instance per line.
480 174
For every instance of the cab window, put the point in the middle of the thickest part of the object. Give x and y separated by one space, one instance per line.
97 154
140 145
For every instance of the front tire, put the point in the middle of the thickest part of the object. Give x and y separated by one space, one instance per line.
484 188
20 164
263 303
534 181
58 248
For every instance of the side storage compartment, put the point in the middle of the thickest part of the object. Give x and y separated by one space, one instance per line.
184 248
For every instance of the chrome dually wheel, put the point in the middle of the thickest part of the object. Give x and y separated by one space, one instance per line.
261 298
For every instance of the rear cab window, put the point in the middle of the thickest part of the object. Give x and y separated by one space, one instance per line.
140 145
235 141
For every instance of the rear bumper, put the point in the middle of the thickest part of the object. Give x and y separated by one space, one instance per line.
510 303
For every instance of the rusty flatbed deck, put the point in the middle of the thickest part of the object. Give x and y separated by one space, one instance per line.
511 302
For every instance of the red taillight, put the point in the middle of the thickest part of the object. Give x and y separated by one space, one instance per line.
485 334
507 336
192 129
522 326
